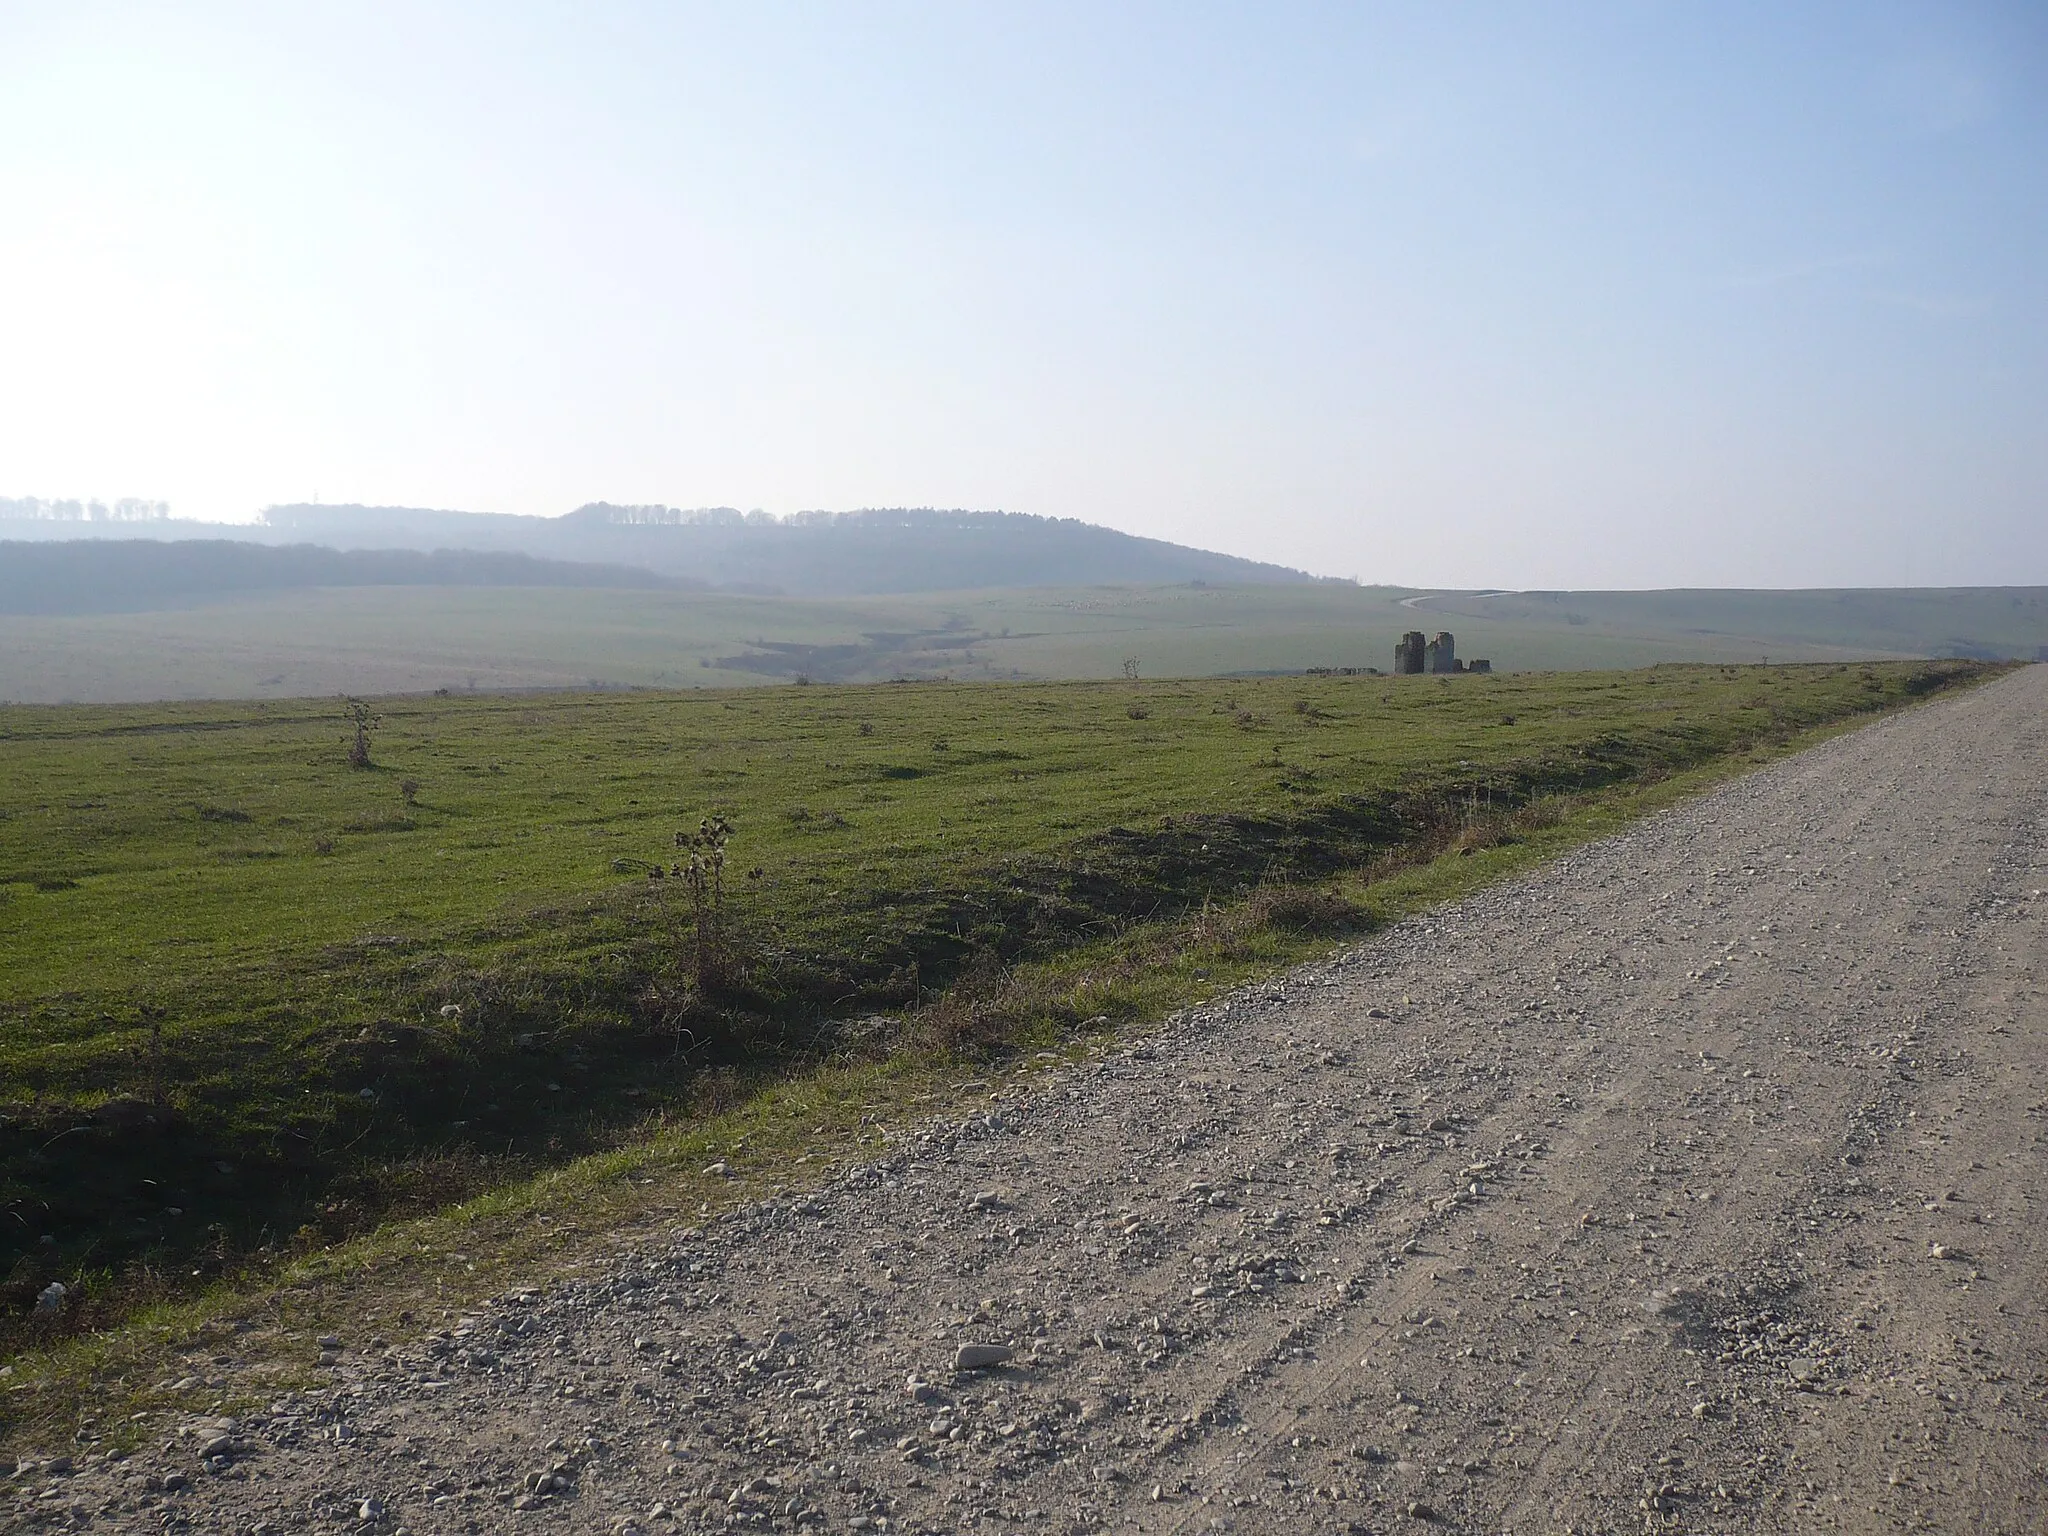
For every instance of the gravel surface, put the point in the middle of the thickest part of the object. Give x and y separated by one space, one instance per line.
1688 1183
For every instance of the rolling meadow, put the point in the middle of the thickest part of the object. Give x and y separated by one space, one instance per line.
255 1000
413 639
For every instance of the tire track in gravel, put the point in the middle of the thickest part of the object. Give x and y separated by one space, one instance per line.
1688 1183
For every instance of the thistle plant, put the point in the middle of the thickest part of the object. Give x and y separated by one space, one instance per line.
357 713
701 873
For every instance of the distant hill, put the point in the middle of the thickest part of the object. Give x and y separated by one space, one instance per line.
107 575
809 554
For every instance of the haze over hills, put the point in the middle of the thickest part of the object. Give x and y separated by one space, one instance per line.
1983 623
141 607
400 638
810 554
131 575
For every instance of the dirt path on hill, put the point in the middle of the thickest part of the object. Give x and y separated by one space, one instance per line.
1691 1183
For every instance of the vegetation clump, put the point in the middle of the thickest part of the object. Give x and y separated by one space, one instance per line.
701 875
361 722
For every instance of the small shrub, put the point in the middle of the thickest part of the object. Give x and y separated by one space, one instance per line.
1139 712
408 791
867 727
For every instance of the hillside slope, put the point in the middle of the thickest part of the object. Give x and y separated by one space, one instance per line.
403 639
810 554
137 575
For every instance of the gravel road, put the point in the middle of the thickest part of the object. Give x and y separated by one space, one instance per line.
1689 1183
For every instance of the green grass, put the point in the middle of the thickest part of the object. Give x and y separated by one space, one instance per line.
779 1129
1905 621
225 956
415 639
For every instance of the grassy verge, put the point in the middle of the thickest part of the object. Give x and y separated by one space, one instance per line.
254 1000
768 1128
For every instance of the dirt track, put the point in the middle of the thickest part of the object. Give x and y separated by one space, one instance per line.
1689 1183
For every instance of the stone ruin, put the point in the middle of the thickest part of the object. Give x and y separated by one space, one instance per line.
1414 655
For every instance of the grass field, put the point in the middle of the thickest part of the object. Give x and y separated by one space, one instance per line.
416 639
251 996
1905 621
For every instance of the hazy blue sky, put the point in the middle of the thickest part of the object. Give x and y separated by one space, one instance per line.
1529 295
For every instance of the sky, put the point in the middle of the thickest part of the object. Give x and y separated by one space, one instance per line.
1560 295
